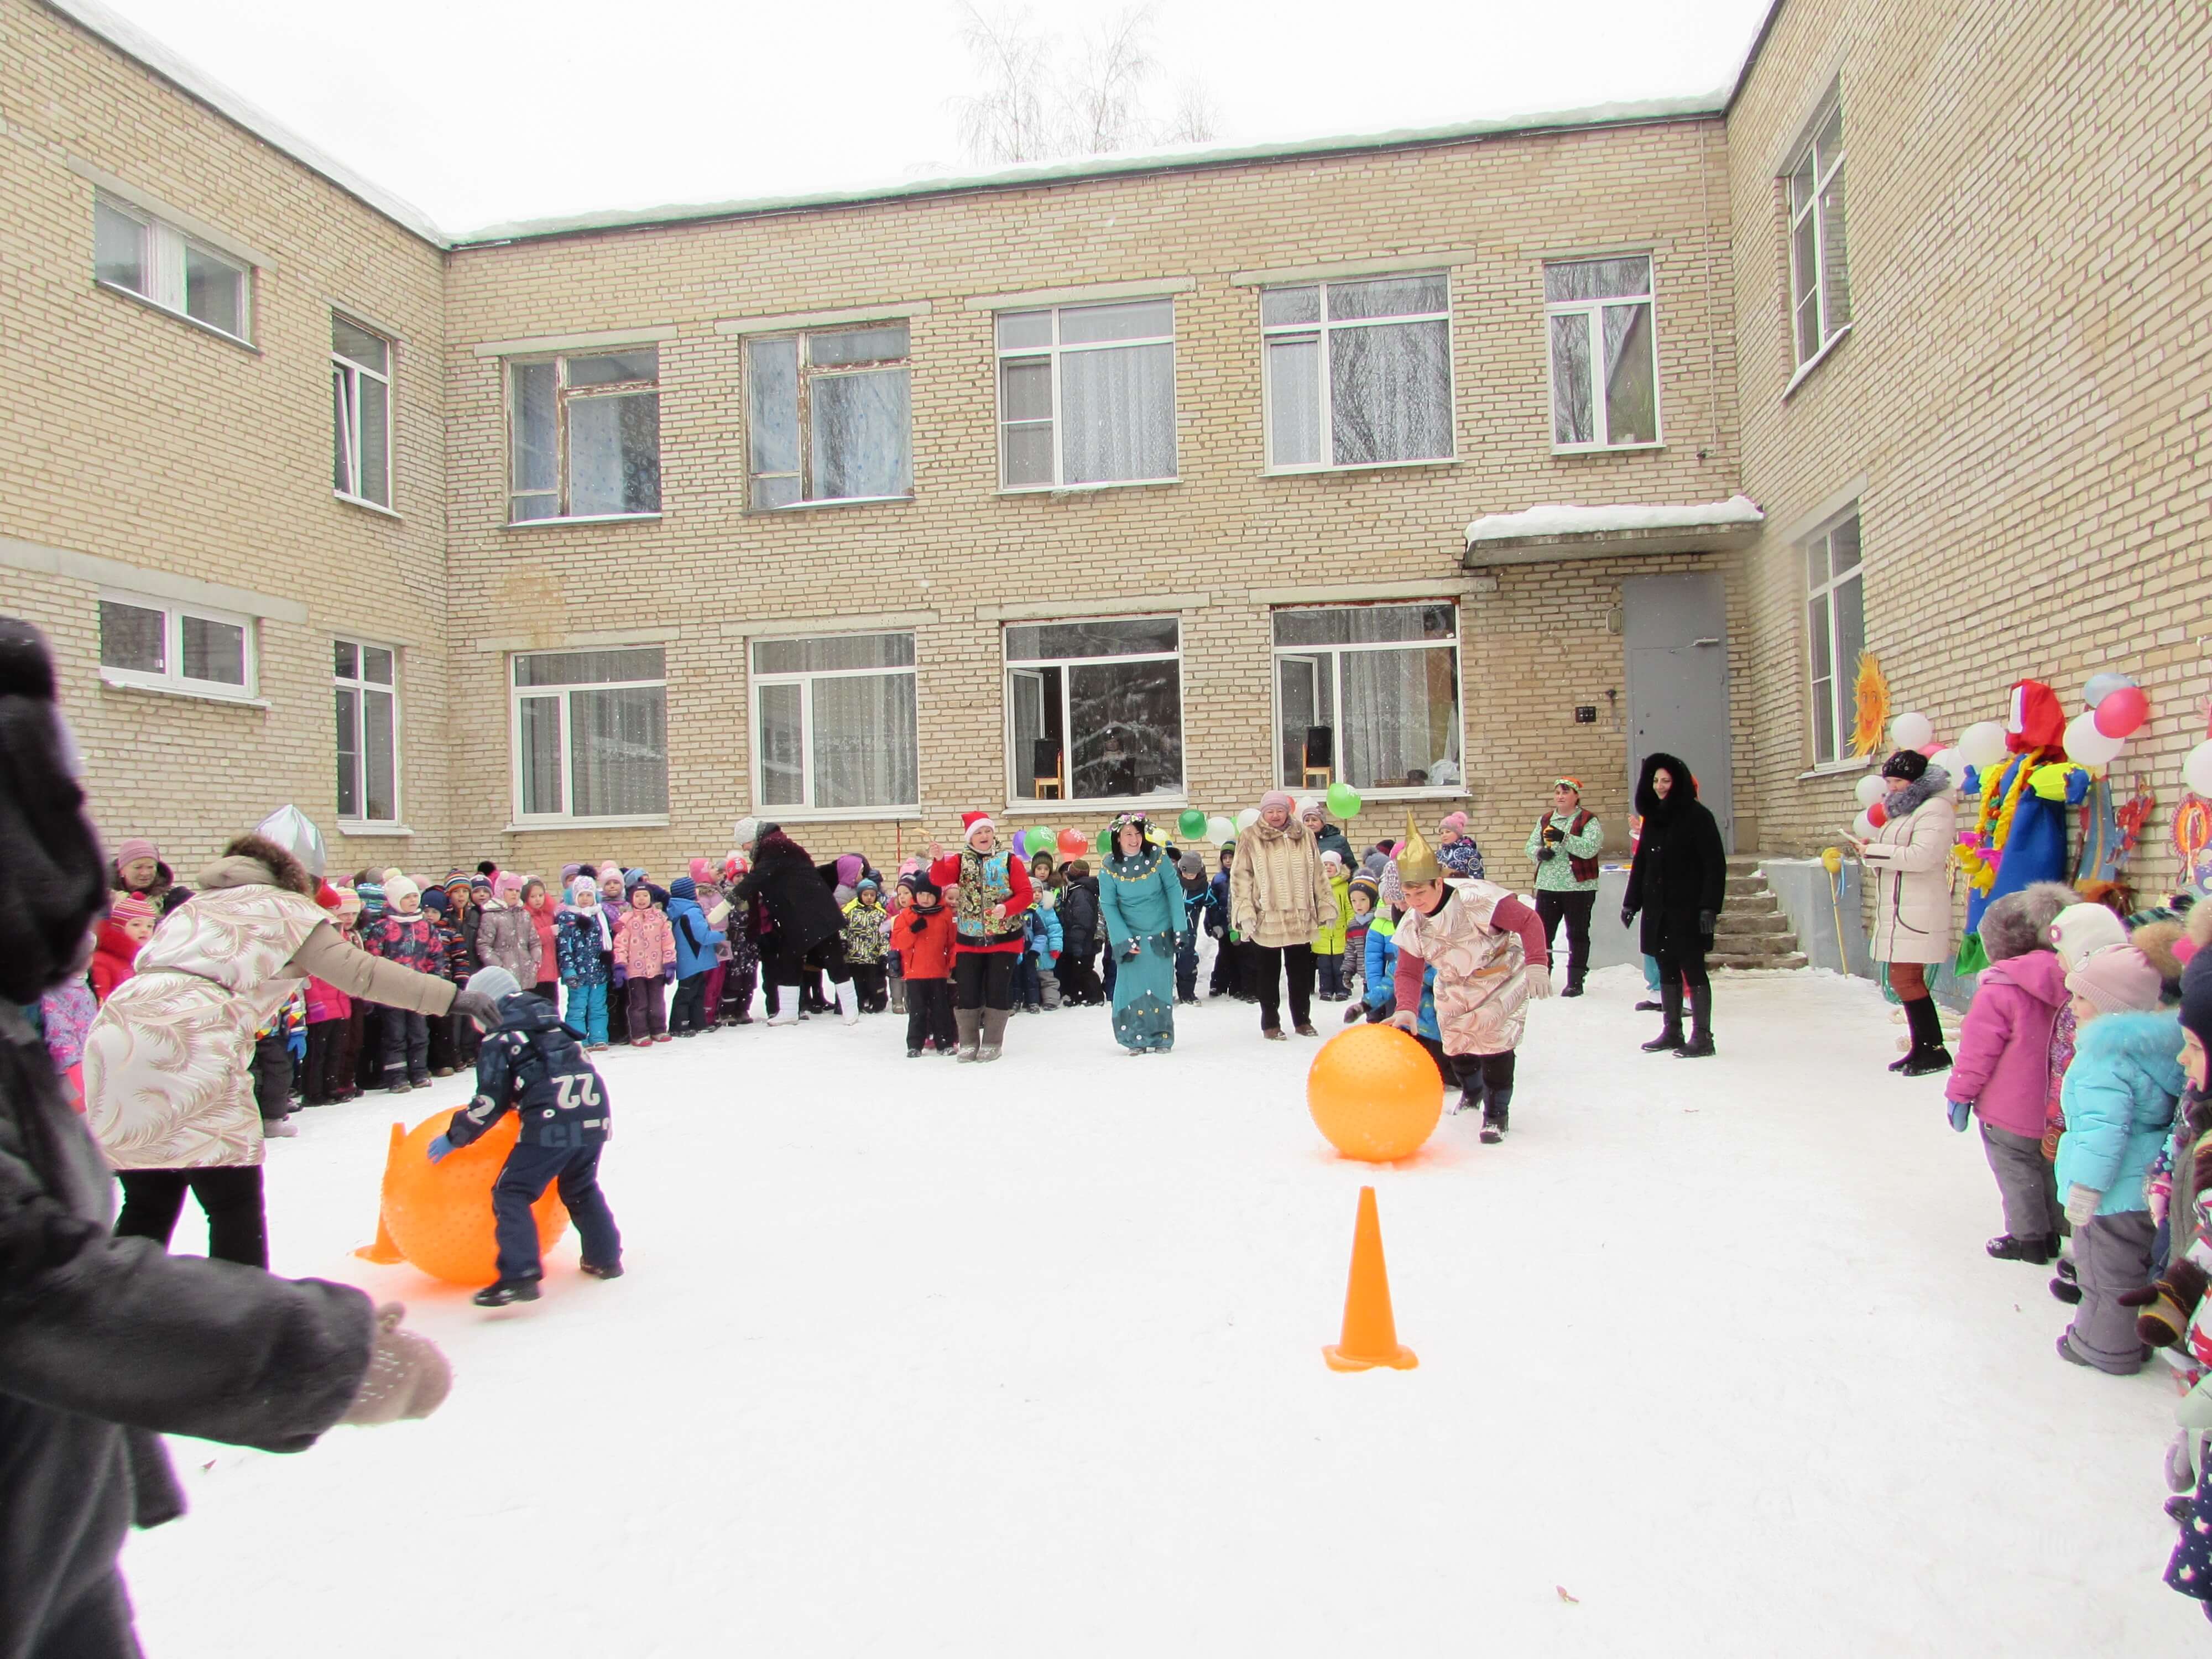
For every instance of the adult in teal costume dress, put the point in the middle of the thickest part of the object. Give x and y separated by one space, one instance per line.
1140 905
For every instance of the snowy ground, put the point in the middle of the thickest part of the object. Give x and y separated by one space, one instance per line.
919 1358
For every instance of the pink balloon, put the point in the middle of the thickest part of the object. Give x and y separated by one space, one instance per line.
2120 712
1932 749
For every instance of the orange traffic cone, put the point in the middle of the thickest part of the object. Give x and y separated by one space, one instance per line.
1370 1334
384 1252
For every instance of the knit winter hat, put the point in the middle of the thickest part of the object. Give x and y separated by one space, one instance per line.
1190 865
920 881
2197 997
1454 822
848 866
398 889
1907 763
568 873
1310 808
136 848
746 832
479 885
1363 882
582 888
437 901
869 884
509 886
633 878
348 905
1276 797
684 888
972 822
2081 929
701 871
132 907
495 982
2115 980
1332 858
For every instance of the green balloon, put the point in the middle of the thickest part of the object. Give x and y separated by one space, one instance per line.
1040 841
1344 800
1191 824
1105 843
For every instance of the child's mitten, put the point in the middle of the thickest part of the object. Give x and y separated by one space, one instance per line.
2167 1304
1960 1111
2081 1204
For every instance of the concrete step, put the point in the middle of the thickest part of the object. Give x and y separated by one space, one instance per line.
1735 924
1757 960
1743 864
1752 884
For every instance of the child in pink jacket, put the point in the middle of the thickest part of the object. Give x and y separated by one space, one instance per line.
2003 1071
645 950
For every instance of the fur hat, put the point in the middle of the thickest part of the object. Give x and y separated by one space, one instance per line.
2118 979
133 848
397 890
495 982
972 822
2081 929
2156 940
132 907
1907 764
2019 922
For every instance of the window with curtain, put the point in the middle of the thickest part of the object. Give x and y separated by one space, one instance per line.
833 724
1835 629
1358 374
829 416
162 645
1095 709
1605 363
584 435
1383 682
366 685
1086 395
133 251
591 734
1820 279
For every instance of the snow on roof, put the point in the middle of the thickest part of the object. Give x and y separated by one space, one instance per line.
134 42
1174 158
1565 520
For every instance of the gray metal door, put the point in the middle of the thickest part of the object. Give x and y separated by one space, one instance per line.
1675 629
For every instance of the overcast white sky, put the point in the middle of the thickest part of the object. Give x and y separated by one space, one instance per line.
482 111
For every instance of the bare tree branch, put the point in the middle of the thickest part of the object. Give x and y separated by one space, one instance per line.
1037 97
1192 121
1004 121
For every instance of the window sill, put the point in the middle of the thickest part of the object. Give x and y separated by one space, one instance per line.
645 821
117 682
357 830
1806 368
1020 814
841 500
1568 450
787 815
1363 466
594 518
1056 491
364 504
183 316
1842 768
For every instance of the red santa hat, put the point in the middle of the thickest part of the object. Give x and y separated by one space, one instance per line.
971 822
2037 719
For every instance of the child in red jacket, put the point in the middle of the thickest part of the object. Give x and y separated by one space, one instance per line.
128 924
922 936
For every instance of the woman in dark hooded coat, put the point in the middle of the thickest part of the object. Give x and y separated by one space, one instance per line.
809 930
1677 884
106 1344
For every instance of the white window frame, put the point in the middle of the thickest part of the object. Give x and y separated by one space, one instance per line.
516 695
1827 168
808 373
361 686
563 396
1843 675
1054 352
1592 312
1323 328
172 677
349 373
805 677
161 259
1277 652
1009 665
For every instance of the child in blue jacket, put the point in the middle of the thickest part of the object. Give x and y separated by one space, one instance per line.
530 1065
2120 1098
698 941
1036 985
1381 968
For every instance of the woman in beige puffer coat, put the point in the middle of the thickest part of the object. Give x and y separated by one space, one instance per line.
1278 899
1908 862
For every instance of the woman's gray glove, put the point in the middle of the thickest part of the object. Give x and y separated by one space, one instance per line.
407 1376
478 1008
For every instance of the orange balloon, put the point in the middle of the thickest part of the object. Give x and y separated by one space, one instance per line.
1375 1093
439 1214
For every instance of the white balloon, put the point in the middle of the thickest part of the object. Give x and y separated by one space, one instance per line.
1871 789
2197 770
1983 744
1862 827
2086 743
1952 761
1913 731
1248 818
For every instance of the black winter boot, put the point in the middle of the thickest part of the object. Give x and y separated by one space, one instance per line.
1670 1003
1700 1045
1496 1116
1928 1054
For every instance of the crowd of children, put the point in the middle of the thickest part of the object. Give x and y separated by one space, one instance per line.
2082 1055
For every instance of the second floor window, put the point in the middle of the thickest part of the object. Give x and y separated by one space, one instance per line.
360 411
1835 627
136 253
584 435
1358 374
828 417
1605 366
1820 283
836 722
1086 395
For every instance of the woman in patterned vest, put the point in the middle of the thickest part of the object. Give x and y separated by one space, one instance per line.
989 892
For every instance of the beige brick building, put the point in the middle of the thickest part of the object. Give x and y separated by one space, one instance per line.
862 510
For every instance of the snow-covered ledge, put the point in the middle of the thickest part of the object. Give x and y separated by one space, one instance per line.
1540 534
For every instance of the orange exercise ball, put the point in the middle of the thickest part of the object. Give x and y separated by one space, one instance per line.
1375 1093
439 1215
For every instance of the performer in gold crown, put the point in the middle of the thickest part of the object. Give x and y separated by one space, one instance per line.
1491 957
